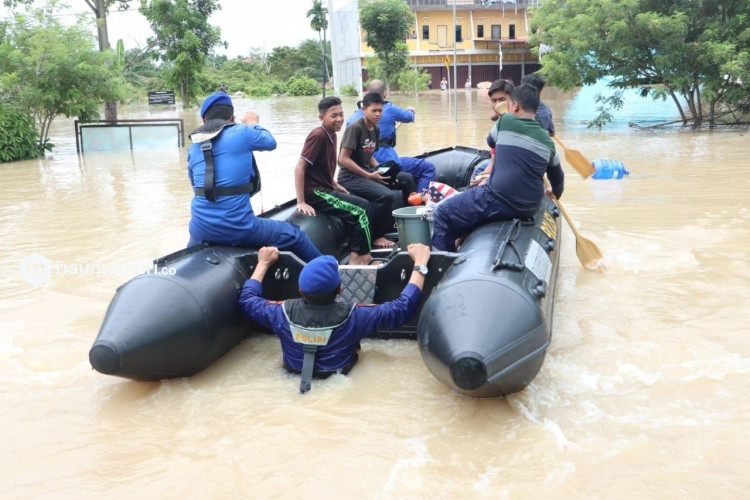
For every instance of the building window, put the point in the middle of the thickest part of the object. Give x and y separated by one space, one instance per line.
512 31
480 31
459 38
425 32
496 31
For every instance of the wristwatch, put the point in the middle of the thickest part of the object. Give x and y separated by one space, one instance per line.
423 270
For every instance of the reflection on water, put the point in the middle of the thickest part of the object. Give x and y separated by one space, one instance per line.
643 390
582 109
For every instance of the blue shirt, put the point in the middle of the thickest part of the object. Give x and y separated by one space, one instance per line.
222 221
387 125
344 342
544 116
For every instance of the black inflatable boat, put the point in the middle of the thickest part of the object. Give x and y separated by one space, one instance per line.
483 328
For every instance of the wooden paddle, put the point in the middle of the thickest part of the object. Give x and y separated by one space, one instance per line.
586 250
577 160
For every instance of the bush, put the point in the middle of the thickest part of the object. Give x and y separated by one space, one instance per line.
412 81
18 134
260 90
350 90
278 87
302 86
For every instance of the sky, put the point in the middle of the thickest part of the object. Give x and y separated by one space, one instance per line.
245 24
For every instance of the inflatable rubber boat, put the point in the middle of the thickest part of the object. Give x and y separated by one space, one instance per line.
483 327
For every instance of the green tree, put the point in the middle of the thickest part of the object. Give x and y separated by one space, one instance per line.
284 62
694 50
387 23
302 86
309 57
412 80
52 69
184 38
319 23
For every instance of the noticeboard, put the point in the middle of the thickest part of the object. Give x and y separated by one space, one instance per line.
161 97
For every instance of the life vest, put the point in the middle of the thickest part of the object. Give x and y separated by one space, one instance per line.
312 325
204 135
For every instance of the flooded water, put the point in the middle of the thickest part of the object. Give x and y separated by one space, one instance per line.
643 393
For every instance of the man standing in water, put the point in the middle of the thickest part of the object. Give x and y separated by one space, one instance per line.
422 170
320 335
222 171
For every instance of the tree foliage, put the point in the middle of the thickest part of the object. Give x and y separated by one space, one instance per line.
302 86
319 23
697 50
184 38
18 134
387 23
52 69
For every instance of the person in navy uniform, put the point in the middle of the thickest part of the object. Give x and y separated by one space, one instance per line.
222 172
319 334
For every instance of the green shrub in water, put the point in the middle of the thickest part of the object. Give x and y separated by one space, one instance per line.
18 134
302 85
350 90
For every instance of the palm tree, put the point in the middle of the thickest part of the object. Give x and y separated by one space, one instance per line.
319 23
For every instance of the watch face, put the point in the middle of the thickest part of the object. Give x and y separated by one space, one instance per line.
422 269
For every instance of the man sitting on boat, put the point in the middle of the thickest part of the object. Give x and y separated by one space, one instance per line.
223 173
498 92
543 114
524 152
320 335
316 188
422 170
359 173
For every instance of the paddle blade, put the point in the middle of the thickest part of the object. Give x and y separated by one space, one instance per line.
589 254
576 160
579 163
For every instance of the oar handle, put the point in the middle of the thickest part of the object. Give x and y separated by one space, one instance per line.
563 211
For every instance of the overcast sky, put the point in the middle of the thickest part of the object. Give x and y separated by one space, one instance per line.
245 24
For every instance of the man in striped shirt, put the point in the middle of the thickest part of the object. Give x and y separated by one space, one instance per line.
524 152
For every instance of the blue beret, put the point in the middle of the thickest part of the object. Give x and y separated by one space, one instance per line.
219 98
320 275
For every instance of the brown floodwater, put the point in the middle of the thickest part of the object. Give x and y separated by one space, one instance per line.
643 393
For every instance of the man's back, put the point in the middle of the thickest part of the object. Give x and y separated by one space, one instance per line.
523 150
217 220
358 322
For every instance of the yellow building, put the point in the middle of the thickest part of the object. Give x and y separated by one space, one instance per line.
490 40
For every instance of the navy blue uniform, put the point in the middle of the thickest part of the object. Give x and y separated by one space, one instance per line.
229 220
341 351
